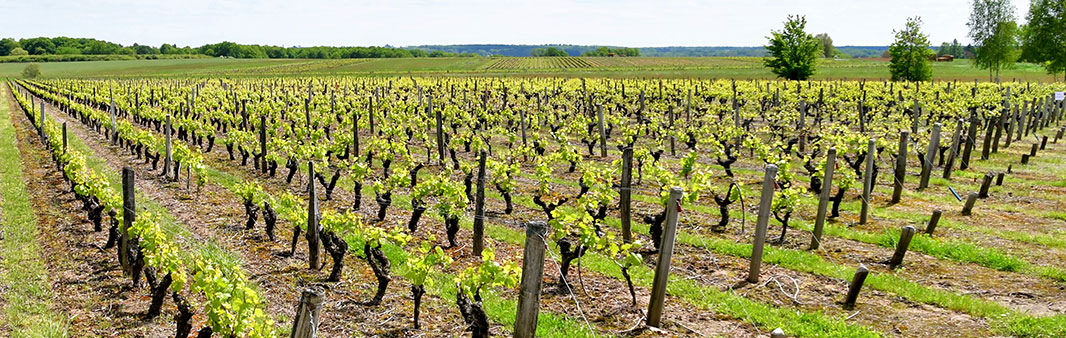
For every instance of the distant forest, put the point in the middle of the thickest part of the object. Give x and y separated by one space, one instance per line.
62 48
575 50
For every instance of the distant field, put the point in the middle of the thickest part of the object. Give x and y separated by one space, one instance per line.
637 67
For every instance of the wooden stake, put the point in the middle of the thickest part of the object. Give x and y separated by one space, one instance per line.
762 222
666 251
901 166
868 180
856 286
823 201
933 221
625 192
983 193
930 155
479 207
967 209
308 312
901 246
532 273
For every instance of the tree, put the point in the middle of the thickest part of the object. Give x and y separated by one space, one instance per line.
32 70
910 53
828 50
999 50
792 53
1045 34
18 51
952 48
38 46
550 51
995 39
7 45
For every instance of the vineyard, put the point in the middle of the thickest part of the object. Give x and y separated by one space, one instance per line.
513 63
447 206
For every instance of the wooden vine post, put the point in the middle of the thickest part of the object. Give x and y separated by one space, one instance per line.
603 133
953 153
967 209
308 314
312 219
971 139
440 131
868 180
129 215
901 166
43 134
930 155
666 251
262 143
905 236
823 199
625 192
169 158
762 222
532 272
64 137
479 207
856 286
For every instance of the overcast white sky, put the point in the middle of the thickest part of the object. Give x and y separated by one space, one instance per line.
414 22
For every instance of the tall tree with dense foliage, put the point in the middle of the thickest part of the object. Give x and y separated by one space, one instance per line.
1000 50
952 48
828 50
1044 38
550 51
993 30
7 45
910 53
792 53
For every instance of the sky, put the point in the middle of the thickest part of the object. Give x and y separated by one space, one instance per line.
630 23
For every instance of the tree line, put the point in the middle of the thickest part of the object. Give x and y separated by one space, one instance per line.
998 43
87 46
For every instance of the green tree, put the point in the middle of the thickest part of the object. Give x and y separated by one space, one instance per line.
910 53
1000 50
67 50
792 53
995 39
18 51
32 70
7 45
1044 37
38 46
828 50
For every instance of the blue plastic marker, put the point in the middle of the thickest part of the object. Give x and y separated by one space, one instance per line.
955 193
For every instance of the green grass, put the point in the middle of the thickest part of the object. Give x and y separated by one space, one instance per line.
641 67
27 296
